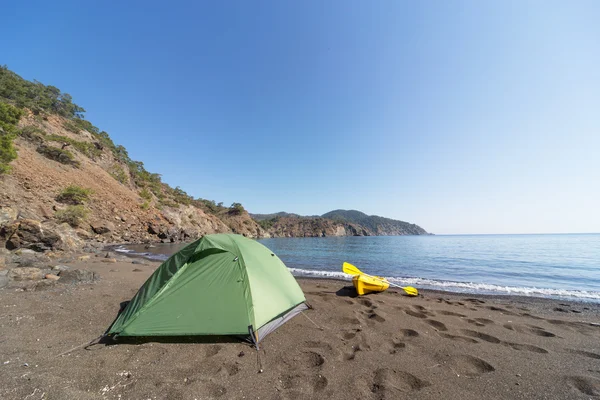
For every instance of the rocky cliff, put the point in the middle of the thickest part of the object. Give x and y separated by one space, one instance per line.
31 208
65 183
334 223
312 227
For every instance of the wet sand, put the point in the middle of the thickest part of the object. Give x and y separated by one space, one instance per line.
380 346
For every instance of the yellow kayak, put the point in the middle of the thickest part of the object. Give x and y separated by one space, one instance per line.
367 284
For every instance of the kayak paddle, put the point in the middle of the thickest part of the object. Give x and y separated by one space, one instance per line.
352 270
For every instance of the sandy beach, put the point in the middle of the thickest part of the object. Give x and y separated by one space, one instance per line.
382 346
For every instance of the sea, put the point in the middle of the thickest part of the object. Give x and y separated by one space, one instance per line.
561 266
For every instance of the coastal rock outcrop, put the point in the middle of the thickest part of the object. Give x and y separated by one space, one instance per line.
25 274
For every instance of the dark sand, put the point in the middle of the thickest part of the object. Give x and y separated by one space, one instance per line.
382 346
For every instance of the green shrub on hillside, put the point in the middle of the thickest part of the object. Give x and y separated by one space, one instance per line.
71 126
7 151
146 194
56 154
209 206
17 93
87 148
33 133
168 203
9 117
267 224
119 174
36 96
179 196
74 194
236 209
145 205
72 215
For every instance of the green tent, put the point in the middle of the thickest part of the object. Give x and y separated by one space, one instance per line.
221 284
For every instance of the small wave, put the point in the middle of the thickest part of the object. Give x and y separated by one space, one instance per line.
123 250
149 256
320 274
464 287
451 286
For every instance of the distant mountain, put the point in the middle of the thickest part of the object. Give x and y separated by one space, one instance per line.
377 225
334 223
262 217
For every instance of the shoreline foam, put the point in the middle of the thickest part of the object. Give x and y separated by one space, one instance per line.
431 284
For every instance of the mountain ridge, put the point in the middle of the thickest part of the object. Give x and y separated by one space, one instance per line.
344 222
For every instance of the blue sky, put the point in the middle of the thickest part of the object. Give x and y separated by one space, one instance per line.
462 116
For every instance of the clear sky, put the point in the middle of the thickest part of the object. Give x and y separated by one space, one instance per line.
460 116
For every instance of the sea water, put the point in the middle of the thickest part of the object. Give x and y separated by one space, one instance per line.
557 266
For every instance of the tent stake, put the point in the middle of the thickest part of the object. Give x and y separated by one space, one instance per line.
314 323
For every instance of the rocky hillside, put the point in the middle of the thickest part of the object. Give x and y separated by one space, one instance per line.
334 223
374 224
310 227
65 183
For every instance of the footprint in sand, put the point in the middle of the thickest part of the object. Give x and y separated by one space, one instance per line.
416 314
528 347
585 353
396 345
530 329
586 385
468 365
319 383
349 334
472 321
436 324
480 321
475 301
367 303
584 328
375 317
481 335
290 381
458 338
501 310
452 314
229 369
409 333
388 381
355 349
531 316
213 350
312 359
361 343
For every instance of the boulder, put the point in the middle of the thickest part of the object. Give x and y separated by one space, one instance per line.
154 229
44 284
76 275
102 227
25 274
52 277
83 234
60 268
109 260
69 238
8 214
21 252
29 234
